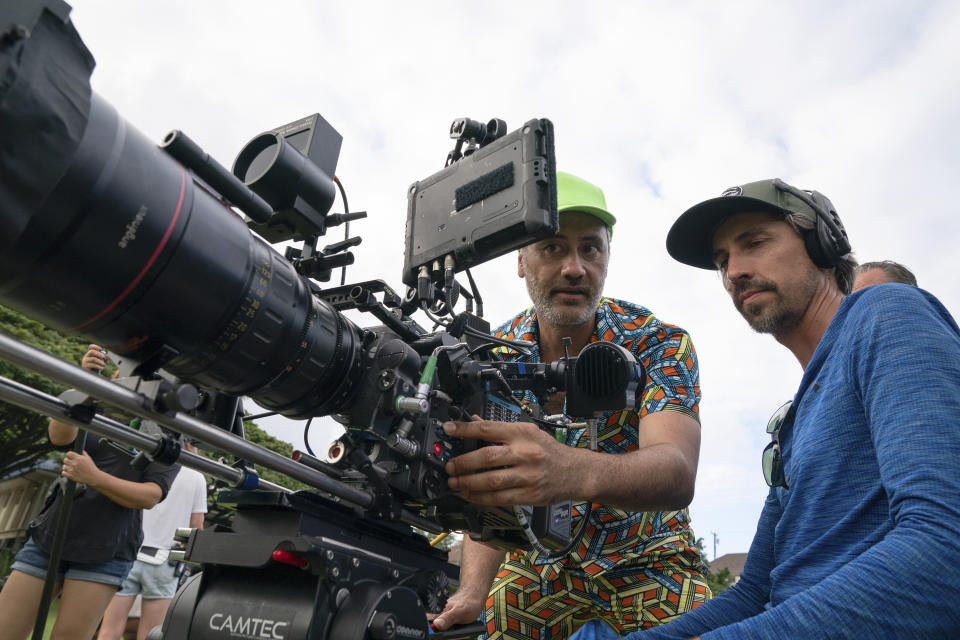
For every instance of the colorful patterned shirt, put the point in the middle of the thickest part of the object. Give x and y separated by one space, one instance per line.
614 536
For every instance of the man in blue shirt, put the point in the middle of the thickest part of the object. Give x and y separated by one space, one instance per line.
858 537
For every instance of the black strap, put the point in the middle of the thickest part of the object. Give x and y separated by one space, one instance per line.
56 549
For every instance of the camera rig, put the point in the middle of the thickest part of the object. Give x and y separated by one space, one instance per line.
198 307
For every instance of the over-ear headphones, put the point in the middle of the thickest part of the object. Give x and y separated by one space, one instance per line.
827 244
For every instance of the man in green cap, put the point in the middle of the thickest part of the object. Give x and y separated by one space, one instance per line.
858 534
637 564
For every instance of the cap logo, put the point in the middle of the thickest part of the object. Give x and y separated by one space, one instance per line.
732 191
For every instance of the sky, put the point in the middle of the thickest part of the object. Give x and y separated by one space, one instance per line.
662 104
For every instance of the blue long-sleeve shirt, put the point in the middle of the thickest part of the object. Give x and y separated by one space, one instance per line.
865 542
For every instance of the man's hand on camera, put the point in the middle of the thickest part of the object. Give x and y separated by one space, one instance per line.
80 468
524 465
95 359
462 608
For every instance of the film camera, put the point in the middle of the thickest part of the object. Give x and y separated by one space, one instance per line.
190 298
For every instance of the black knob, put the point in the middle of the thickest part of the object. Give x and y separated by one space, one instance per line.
383 626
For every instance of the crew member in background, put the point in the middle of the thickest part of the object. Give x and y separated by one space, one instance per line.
638 564
102 539
871 273
153 577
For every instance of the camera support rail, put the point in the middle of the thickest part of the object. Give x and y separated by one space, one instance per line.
114 394
315 545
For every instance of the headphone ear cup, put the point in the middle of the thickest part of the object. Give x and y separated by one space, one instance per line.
827 243
813 240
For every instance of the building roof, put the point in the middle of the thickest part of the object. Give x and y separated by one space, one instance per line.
732 561
45 467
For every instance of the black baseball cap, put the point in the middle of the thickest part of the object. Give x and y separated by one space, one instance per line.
690 239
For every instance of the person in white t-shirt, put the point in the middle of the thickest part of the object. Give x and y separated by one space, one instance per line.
152 577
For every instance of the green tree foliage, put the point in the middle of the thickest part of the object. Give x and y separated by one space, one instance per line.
455 539
220 512
703 553
719 581
23 439
260 437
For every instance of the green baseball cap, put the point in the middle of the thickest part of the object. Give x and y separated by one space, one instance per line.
690 239
576 194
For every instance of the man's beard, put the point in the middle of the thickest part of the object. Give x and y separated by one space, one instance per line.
779 315
561 315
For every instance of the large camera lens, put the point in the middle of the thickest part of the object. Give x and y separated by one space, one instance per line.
129 250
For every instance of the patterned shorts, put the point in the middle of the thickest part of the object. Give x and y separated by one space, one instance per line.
523 606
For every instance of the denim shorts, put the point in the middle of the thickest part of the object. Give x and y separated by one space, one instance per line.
33 561
152 581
